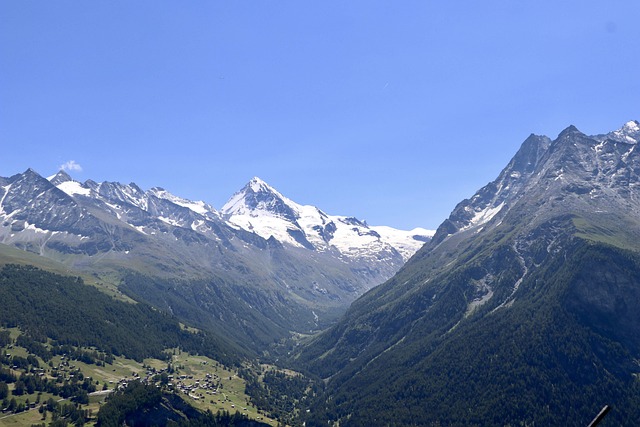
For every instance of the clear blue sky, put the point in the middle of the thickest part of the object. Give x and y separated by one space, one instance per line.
389 111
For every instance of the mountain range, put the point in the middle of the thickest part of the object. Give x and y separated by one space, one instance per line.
521 310
259 268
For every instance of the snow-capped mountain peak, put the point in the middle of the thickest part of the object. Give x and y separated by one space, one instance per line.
629 133
64 182
603 166
632 125
261 209
257 186
59 178
258 198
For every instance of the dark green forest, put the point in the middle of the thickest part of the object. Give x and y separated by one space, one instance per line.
50 306
561 352
282 396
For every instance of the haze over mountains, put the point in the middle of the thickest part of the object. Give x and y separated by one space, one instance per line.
522 309
263 257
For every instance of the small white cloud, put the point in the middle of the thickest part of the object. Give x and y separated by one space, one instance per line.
71 165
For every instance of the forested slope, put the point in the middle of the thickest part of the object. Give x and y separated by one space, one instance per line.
45 305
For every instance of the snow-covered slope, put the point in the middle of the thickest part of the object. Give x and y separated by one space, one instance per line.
198 207
405 242
260 208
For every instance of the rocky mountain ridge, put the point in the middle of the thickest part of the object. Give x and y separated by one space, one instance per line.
520 298
121 233
600 165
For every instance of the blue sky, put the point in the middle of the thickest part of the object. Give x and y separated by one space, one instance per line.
389 111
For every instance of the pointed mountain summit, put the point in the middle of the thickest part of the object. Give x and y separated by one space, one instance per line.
64 182
262 209
60 177
629 133
522 310
259 198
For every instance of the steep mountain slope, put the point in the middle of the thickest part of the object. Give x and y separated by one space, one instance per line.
187 259
520 310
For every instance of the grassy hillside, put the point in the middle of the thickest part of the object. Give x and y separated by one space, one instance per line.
108 285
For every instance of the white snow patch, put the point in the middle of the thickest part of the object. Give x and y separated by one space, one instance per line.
169 221
36 229
629 133
115 208
483 216
632 126
140 229
6 191
265 227
625 156
198 207
74 187
197 224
